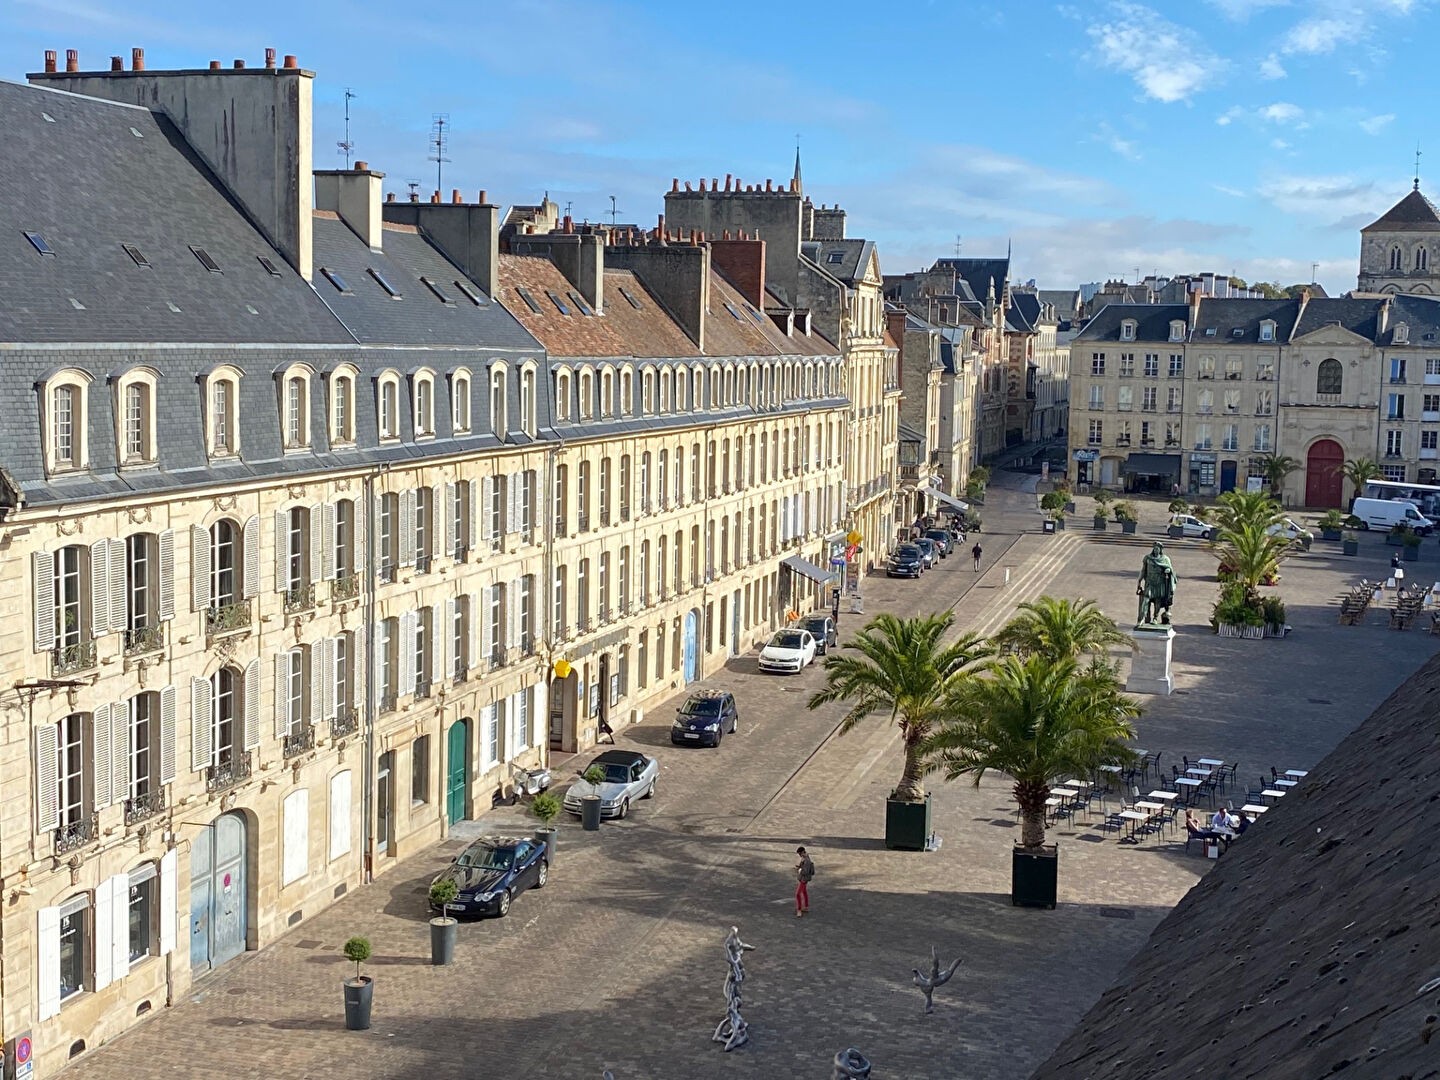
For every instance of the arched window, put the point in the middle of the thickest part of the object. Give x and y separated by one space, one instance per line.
1330 377
388 407
135 405
1396 258
342 407
499 414
587 396
529 421
697 389
562 395
65 413
647 392
424 384
225 689
297 415
460 403
627 391
665 383
1422 258
607 392
224 562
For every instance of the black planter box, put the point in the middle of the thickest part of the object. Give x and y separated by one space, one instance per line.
907 824
1351 547
358 995
1128 527
443 932
1330 534
1034 874
590 812
1099 524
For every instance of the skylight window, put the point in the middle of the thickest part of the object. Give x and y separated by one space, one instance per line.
633 302
205 259
434 288
137 133
136 254
252 309
270 267
524 294
381 280
1239 331
1209 331
755 315
836 257
559 304
579 302
731 308
470 294
333 276
39 243
48 118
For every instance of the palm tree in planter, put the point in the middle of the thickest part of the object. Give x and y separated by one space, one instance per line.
1037 720
1251 555
1359 471
1059 629
905 671
1275 468
1238 508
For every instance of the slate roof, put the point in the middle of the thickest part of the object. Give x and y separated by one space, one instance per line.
1421 316
1066 302
1413 213
1152 322
1305 950
91 175
1358 316
1227 316
1024 312
845 260
979 273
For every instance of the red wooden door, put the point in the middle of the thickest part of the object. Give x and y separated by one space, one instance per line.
1323 482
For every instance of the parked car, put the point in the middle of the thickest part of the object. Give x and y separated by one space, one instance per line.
1298 534
1190 525
789 650
704 718
822 629
906 561
491 872
1387 513
943 540
628 776
929 549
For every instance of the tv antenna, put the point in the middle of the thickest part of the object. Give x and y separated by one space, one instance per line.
439 143
614 213
1314 270
414 186
1417 166
957 245
345 144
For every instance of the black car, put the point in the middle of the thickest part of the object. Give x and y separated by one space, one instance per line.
704 718
907 561
942 540
822 629
491 872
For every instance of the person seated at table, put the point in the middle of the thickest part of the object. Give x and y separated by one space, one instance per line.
1243 823
1194 830
1224 821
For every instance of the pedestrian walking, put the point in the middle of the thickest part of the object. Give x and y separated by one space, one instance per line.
804 874
975 551
1397 572
606 731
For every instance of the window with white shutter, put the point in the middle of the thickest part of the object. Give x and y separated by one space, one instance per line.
251 692
514 503
512 616
328 562
448 506
120 925
282 693
102 934
251 544
442 617
282 550
169 902
340 814
202 739
42 569
406 645
319 677
100 785
167 734
199 568
472 510
326 676
165 601
473 647
48 966
47 793
407 527
100 588
120 746
320 552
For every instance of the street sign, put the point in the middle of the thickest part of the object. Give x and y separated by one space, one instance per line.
19 1058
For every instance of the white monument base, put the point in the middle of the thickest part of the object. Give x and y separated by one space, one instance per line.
1150 661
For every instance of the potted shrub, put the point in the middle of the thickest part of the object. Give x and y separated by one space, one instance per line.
1350 544
590 803
1125 515
1396 536
1330 524
1412 546
1099 519
444 927
359 991
546 807
1274 611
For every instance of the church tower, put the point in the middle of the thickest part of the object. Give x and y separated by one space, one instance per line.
1400 250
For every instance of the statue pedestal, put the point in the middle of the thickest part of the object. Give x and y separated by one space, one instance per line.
1150 661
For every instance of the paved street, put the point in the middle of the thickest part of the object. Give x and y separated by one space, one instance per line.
617 962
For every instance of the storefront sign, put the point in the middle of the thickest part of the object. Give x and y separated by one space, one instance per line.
1087 455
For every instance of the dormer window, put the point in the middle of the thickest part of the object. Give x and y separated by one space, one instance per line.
1177 329
1401 335
1127 330
387 391
460 403
562 395
1267 330
529 422
342 406
64 404
499 414
424 384
587 396
222 396
295 408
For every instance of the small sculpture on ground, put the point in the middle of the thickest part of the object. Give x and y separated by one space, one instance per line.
733 1031
928 983
850 1064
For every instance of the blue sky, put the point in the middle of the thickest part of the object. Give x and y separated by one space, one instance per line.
1253 136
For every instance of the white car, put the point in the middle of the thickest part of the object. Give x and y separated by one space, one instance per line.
1288 528
1189 525
789 651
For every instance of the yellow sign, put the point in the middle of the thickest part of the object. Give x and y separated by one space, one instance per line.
854 538
562 669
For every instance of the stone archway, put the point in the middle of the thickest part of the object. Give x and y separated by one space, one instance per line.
1324 485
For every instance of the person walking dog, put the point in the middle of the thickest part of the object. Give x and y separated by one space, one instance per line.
804 874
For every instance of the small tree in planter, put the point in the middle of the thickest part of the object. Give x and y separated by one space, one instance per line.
594 776
1396 536
1099 519
1126 516
546 806
1273 609
1179 506
443 927
359 991
1350 543
1331 522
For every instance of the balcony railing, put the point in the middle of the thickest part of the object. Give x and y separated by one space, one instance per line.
460 552
346 587
582 624
228 773
386 574
346 722
387 702
582 522
909 472
298 742
144 639
498 657
228 618
459 670
607 615
77 657
560 525
527 644
422 686
144 807
422 563
76 834
301 598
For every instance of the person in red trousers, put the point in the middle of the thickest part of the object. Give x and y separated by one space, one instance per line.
804 874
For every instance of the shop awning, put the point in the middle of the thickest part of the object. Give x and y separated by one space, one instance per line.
949 500
809 570
1152 464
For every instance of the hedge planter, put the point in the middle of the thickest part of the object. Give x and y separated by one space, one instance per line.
1034 876
358 995
1350 547
443 931
1331 534
548 836
907 824
1128 527
1174 532
1252 632
1099 524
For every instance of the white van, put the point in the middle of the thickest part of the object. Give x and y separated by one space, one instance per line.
1387 513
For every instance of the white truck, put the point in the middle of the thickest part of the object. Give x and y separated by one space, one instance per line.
1387 513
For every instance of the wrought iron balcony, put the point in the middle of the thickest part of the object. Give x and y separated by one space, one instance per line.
346 722
144 639
527 644
301 598
422 563
582 521
606 616
387 703
499 657
144 807
582 624
228 773
227 618
65 659
386 574
298 742
422 686
459 671
561 632
76 834
345 588
560 525
461 552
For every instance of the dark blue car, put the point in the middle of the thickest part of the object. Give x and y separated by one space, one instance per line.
908 561
491 872
704 718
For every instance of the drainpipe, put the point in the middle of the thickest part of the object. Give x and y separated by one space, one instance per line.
367 772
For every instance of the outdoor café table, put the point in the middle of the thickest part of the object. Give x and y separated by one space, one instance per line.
1286 783
1202 773
1297 774
1209 762
1134 817
1251 808
1163 796
1189 783
1273 793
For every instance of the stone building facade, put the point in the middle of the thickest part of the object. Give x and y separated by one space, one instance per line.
1399 250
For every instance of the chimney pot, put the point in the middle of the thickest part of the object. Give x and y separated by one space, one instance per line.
117 63
269 58
455 196
702 183
214 65
414 196
239 65
687 185
50 55
567 224
290 61
700 235
727 181
483 200
714 184
674 183
72 60
362 166
769 185
390 197
137 59
435 196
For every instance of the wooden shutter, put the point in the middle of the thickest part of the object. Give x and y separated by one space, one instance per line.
119 887
100 784
251 544
100 588
282 694
407 527
472 526
317 541
529 500
120 752
48 956
167 735
442 621
452 527
202 728
169 902
326 565
487 645
512 614
512 503
319 678
326 677
487 495
47 789
166 601
199 568
42 573
406 647
358 525
103 933
281 545
252 705
473 648
448 653
117 585
440 531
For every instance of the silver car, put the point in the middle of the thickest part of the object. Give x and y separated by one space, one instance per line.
628 776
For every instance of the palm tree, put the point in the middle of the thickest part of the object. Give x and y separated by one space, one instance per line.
1037 720
1276 468
1358 471
1250 554
1236 509
1059 629
904 671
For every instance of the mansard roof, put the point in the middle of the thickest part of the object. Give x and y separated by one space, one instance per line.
1152 322
1413 213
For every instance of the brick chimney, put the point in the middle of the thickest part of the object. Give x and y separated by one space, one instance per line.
742 264
354 194
468 234
251 126
1197 292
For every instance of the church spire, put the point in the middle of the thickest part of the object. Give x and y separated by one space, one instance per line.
795 184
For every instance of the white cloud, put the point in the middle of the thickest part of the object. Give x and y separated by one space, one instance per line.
1126 148
1282 112
1234 193
1375 124
1241 10
1340 24
1168 62
1324 199
1271 68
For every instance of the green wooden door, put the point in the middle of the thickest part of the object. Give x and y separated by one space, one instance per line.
457 770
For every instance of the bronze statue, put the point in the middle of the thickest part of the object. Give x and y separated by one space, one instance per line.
936 978
1156 588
